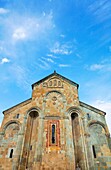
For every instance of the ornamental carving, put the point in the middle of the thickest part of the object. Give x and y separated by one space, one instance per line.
55 82
54 98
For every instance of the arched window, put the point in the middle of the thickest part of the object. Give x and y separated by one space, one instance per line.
88 116
94 152
17 116
53 134
11 153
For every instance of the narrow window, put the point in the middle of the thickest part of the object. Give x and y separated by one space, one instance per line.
94 152
88 116
53 134
17 116
11 153
30 147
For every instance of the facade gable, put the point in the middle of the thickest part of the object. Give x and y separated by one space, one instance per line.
58 77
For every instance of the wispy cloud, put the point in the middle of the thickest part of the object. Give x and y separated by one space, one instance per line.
4 60
78 55
24 27
104 65
95 67
1 48
100 11
48 59
3 11
110 48
43 64
103 105
62 49
52 56
64 65
102 7
62 35
24 30
21 76
19 33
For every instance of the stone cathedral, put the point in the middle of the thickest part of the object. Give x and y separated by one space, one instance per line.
54 130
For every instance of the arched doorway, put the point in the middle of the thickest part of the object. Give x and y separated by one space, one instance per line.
76 139
31 138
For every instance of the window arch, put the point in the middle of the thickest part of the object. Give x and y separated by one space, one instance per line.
11 122
76 110
53 133
35 111
55 91
11 130
101 124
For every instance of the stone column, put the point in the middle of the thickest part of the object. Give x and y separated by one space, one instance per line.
39 143
18 150
69 144
84 142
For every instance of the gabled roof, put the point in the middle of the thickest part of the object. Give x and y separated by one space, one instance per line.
17 105
58 75
92 108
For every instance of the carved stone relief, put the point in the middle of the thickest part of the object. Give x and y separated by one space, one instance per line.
53 82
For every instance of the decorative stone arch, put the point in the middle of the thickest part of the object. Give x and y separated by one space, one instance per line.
55 82
55 91
76 110
100 123
34 110
54 96
11 122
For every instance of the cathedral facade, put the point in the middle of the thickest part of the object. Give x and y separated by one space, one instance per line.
53 130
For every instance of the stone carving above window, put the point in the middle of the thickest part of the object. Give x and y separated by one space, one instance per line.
54 98
53 83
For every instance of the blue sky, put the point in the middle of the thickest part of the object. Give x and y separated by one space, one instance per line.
72 37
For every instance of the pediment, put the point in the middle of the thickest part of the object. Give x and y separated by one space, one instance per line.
54 80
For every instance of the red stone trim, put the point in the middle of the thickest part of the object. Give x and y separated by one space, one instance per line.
49 133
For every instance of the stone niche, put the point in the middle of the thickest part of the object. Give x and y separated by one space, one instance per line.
53 83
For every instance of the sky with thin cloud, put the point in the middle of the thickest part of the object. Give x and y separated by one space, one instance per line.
40 36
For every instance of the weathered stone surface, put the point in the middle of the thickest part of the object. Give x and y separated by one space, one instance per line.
53 130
